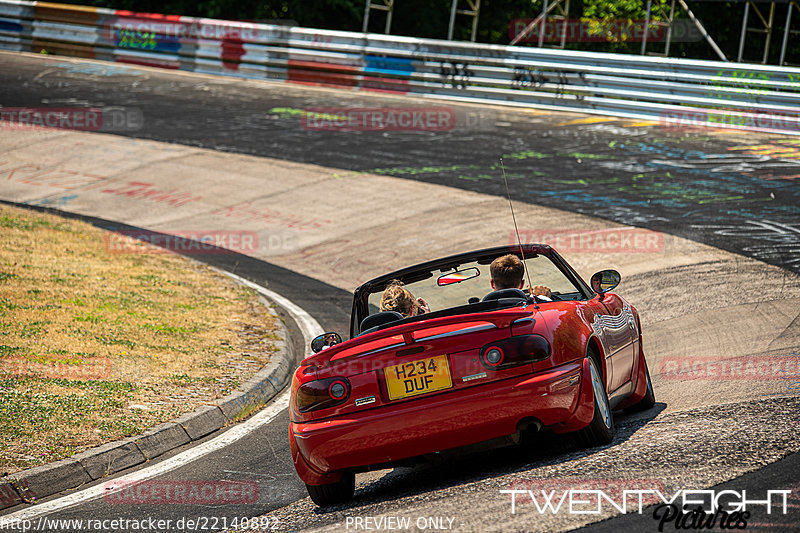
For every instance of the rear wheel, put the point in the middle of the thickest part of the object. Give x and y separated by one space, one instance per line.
601 429
333 493
649 399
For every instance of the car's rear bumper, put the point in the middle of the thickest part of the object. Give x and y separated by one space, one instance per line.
556 397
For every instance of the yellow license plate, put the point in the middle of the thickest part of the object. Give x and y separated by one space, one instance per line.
418 377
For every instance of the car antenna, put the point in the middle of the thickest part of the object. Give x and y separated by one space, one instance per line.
516 229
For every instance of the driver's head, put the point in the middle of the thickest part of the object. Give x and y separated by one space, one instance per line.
507 272
597 279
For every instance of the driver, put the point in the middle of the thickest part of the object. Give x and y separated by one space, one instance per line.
508 272
597 280
330 340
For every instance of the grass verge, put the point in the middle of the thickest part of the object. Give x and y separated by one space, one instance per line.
96 346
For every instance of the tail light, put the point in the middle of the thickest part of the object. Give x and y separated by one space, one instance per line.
494 356
322 393
514 351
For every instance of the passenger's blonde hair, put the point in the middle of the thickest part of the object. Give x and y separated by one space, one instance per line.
397 298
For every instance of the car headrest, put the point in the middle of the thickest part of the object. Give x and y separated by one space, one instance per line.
379 319
505 293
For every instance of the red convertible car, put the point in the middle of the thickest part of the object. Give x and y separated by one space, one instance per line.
476 367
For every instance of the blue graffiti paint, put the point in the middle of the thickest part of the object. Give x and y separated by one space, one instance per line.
52 202
95 69
396 66
579 196
668 151
11 26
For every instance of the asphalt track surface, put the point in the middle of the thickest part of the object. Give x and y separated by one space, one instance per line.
726 188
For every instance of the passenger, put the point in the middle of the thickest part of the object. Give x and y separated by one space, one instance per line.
508 272
398 298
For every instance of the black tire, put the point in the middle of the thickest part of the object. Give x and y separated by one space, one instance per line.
333 493
649 399
601 429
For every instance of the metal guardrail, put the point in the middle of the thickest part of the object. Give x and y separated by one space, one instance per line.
677 92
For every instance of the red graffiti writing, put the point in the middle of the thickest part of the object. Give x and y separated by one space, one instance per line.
245 210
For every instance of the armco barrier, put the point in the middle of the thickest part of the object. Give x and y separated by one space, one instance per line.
675 92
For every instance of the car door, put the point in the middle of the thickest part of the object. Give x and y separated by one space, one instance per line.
617 325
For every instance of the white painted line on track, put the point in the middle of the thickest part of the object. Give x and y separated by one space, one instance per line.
310 329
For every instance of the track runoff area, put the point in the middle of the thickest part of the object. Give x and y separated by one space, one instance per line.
701 225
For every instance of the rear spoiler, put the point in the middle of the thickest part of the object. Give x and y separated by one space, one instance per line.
402 334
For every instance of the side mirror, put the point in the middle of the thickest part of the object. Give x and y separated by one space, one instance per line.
604 281
326 340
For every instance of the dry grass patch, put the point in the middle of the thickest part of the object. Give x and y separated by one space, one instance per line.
96 346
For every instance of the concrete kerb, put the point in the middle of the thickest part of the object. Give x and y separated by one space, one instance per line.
9 496
85 467
111 457
49 479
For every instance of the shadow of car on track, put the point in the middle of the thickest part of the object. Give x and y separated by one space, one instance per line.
475 463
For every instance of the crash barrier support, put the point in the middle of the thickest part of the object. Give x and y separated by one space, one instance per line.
675 92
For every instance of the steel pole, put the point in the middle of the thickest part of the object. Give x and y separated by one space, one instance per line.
769 32
564 26
646 26
544 20
389 17
703 31
669 28
744 31
476 10
786 33
366 17
452 20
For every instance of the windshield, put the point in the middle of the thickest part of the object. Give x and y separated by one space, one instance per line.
477 284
